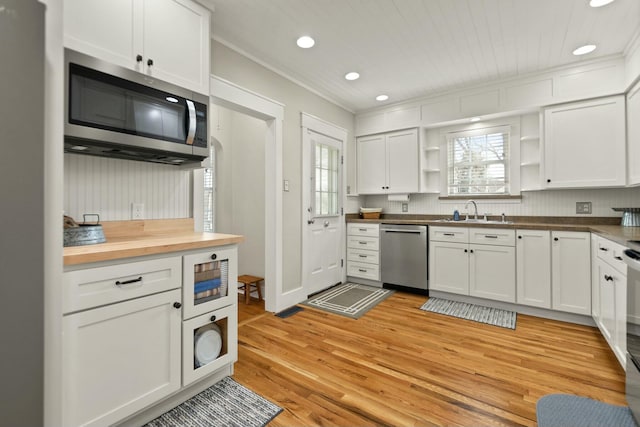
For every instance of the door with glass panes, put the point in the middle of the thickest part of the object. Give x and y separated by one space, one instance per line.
324 223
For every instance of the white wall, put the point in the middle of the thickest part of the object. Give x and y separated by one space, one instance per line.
244 72
108 187
240 175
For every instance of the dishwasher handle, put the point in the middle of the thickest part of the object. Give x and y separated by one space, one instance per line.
395 230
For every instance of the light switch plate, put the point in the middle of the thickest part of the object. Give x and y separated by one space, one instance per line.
583 207
405 207
286 185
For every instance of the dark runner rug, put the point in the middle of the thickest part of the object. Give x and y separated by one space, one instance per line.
565 410
226 403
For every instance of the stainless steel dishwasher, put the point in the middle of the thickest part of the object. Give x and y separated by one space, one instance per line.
403 253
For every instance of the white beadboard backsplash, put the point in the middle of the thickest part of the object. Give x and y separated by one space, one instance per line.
533 203
108 187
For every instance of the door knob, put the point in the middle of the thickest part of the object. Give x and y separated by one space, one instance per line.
311 221
326 223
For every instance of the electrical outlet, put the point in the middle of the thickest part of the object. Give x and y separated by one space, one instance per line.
405 207
583 207
286 185
137 210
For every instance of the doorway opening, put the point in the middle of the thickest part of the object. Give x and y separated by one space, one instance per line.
264 117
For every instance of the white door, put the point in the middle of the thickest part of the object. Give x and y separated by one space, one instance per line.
324 224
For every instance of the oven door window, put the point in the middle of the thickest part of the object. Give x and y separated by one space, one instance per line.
107 102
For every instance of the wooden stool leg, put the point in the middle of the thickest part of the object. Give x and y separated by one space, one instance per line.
258 287
247 291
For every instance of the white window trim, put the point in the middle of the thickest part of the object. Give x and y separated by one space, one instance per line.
512 122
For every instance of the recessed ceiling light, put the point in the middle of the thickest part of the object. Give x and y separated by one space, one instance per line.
305 42
475 119
352 76
382 97
598 3
582 50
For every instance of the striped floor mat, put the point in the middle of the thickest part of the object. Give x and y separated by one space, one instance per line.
477 313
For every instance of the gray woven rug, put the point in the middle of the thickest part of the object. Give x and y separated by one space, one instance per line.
349 299
477 313
565 410
226 403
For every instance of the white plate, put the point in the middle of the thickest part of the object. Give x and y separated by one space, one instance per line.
207 344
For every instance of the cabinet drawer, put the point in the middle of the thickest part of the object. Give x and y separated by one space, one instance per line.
361 229
449 234
363 255
492 236
365 271
611 253
362 242
94 287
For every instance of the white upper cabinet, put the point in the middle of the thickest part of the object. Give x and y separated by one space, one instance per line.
633 135
388 163
584 144
372 159
167 39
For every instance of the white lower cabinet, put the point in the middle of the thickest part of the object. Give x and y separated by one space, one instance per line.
571 271
209 342
484 268
363 251
492 272
533 266
120 358
611 281
128 340
449 267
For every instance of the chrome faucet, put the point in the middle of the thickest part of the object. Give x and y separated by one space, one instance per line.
475 209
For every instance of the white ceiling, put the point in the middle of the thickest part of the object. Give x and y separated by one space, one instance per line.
414 48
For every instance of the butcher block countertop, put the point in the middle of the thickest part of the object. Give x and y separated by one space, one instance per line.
607 227
126 239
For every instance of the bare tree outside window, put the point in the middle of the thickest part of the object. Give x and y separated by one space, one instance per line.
478 163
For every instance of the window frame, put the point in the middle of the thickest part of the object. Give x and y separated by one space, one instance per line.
513 123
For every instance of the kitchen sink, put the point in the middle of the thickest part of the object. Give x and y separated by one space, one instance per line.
475 221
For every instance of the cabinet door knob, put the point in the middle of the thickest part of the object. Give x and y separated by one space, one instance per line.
177 305
465 251
149 62
471 250
608 278
213 318
555 239
548 180
519 237
214 256
138 58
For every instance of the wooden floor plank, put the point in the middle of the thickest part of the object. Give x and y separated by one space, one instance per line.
399 365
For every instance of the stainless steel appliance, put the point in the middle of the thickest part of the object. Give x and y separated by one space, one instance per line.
403 253
111 111
632 259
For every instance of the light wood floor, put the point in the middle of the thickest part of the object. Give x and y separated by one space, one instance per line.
401 366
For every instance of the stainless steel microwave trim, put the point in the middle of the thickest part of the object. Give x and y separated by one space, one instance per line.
136 147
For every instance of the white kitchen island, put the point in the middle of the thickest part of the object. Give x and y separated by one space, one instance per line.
134 310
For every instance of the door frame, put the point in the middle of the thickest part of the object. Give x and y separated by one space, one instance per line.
229 95
317 125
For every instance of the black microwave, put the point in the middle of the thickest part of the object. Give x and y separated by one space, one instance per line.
111 111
